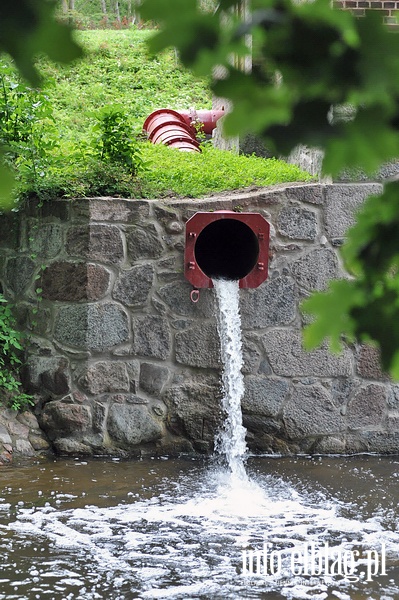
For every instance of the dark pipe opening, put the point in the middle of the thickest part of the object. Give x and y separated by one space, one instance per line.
227 249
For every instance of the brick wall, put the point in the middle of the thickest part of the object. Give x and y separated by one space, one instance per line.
387 8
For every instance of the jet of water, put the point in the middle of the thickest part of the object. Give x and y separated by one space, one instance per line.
231 439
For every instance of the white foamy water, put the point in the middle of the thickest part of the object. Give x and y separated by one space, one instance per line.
231 440
185 539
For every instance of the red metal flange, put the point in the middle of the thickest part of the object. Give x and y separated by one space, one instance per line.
258 238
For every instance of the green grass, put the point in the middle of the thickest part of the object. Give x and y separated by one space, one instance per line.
117 70
171 172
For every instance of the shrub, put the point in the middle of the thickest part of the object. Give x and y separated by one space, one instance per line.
115 142
27 130
10 348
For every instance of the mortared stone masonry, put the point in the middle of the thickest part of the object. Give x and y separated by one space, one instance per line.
122 363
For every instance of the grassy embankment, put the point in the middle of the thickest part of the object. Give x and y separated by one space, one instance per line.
118 71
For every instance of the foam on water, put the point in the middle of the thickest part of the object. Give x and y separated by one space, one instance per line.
187 541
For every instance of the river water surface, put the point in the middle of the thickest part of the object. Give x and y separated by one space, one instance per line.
176 528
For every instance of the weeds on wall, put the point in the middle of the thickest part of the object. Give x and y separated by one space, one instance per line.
11 346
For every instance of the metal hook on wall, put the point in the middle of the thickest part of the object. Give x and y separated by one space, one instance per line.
194 295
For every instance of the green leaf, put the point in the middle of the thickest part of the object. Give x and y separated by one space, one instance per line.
7 201
358 145
249 101
29 28
378 320
372 245
332 312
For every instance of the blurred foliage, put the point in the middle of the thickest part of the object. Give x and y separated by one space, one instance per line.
307 58
310 63
28 28
365 306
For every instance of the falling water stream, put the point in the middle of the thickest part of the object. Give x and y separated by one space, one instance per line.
230 442
186 528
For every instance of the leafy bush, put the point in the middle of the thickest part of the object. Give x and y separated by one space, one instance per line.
27 130
115 142
10 348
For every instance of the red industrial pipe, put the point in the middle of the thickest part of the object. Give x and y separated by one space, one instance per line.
159 117
175 129
226 245
207 119
166 126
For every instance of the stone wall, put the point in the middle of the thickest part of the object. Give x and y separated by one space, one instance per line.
121 361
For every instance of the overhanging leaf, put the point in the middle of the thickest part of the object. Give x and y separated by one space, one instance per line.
365 142
332 313
372 242
28 28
